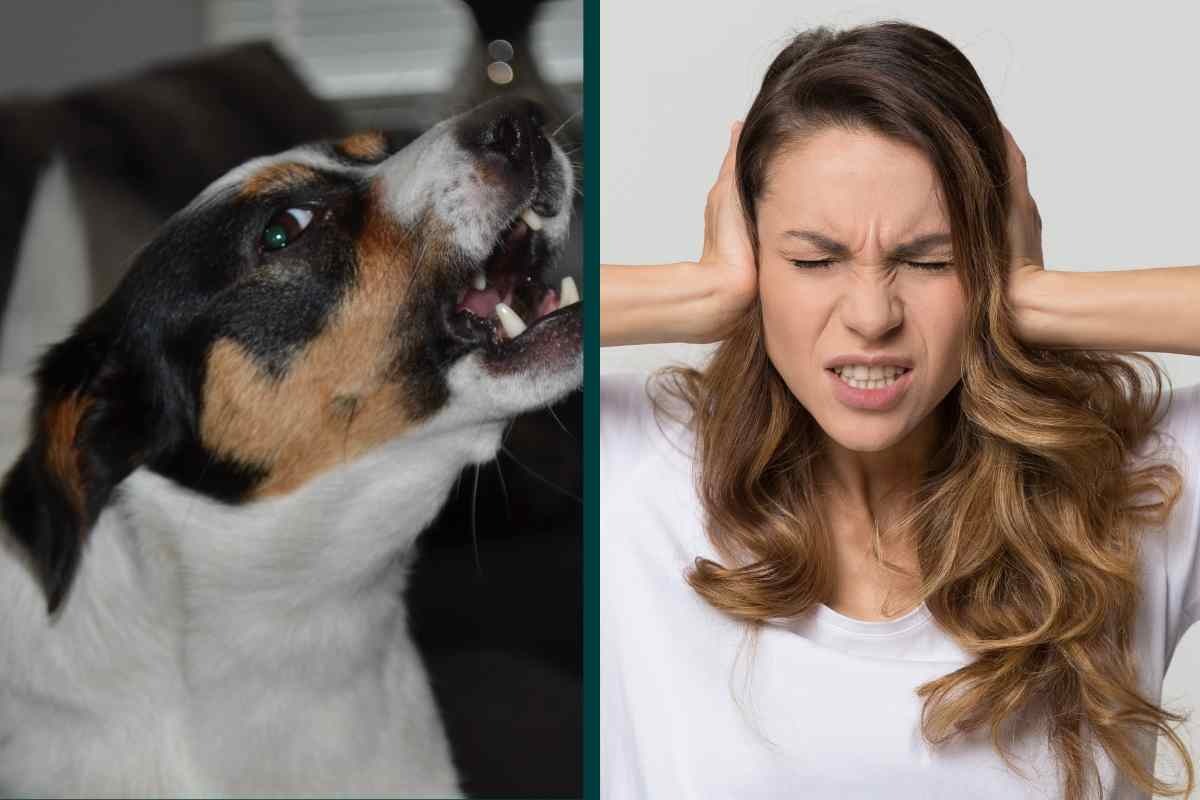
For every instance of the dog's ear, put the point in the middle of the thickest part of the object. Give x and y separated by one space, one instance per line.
89 430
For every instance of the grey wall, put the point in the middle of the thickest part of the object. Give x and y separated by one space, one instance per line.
1100 113
49 45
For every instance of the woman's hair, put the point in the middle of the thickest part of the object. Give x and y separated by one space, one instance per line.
1027 521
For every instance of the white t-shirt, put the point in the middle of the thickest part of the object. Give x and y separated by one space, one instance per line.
824 706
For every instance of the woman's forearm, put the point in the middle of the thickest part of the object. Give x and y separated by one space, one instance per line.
1154 310
653 304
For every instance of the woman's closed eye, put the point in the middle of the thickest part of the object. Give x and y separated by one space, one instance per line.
931 266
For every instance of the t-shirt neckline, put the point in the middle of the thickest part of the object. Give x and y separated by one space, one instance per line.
825 616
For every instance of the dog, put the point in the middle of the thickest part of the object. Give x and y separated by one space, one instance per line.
206 540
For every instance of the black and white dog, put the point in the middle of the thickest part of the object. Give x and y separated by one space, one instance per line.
206 539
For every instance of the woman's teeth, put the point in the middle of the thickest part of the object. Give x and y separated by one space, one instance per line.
861 376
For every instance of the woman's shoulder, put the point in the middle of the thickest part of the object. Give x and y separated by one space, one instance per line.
1173 579
1183 410
621 392
638 416
632 398
1177 433
625 407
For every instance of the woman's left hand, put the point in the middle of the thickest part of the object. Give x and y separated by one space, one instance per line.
1024 223
1121 310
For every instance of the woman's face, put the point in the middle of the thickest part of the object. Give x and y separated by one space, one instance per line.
871 208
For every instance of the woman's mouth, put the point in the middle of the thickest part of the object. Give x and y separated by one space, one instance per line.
870 388
862 377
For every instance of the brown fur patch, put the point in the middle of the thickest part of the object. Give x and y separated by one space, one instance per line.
276 177
370 146
61 423
339 397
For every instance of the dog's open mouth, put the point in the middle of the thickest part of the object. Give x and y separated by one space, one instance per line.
506 303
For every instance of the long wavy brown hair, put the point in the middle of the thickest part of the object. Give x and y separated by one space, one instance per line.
1028 519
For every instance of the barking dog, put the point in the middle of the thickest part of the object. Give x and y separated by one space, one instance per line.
206 540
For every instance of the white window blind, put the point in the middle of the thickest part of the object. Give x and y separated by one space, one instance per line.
362 48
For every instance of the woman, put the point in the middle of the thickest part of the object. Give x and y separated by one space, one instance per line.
916 530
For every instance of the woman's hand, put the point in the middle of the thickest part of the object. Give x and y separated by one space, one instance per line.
1024 228
687 301
1127 310
728 256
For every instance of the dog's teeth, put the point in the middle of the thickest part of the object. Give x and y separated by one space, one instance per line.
510 321
479 282
532 219
567 292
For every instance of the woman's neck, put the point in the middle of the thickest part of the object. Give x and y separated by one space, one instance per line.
879 482
868 490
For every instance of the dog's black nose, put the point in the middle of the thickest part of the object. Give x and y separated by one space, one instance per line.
510 127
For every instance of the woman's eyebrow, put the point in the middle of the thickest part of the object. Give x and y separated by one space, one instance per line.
910 249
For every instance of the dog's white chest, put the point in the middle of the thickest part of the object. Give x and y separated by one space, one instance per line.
211 651
377 735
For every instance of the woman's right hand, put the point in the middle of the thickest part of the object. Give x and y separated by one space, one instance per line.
688 301
728 256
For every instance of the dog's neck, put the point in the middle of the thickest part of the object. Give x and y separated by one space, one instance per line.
237 587
214 647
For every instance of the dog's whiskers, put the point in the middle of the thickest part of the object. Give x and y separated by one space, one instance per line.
504 491
560 422
500 472
474 534
566 122
541 478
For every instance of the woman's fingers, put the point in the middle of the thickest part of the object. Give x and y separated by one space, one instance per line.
730 206
1025 221
729 162
720 197
728 255
1017 167
731 241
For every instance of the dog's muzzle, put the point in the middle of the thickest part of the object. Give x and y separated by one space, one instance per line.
503 304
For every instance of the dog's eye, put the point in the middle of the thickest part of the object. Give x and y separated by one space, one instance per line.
285 227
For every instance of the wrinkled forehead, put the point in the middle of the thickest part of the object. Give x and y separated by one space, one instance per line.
852 176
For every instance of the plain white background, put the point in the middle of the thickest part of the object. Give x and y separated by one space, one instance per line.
1100 98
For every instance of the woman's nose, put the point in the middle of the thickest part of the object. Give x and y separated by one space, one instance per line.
871 308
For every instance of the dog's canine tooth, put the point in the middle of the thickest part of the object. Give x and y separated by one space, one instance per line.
510 321
532 219
568 293
479 282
